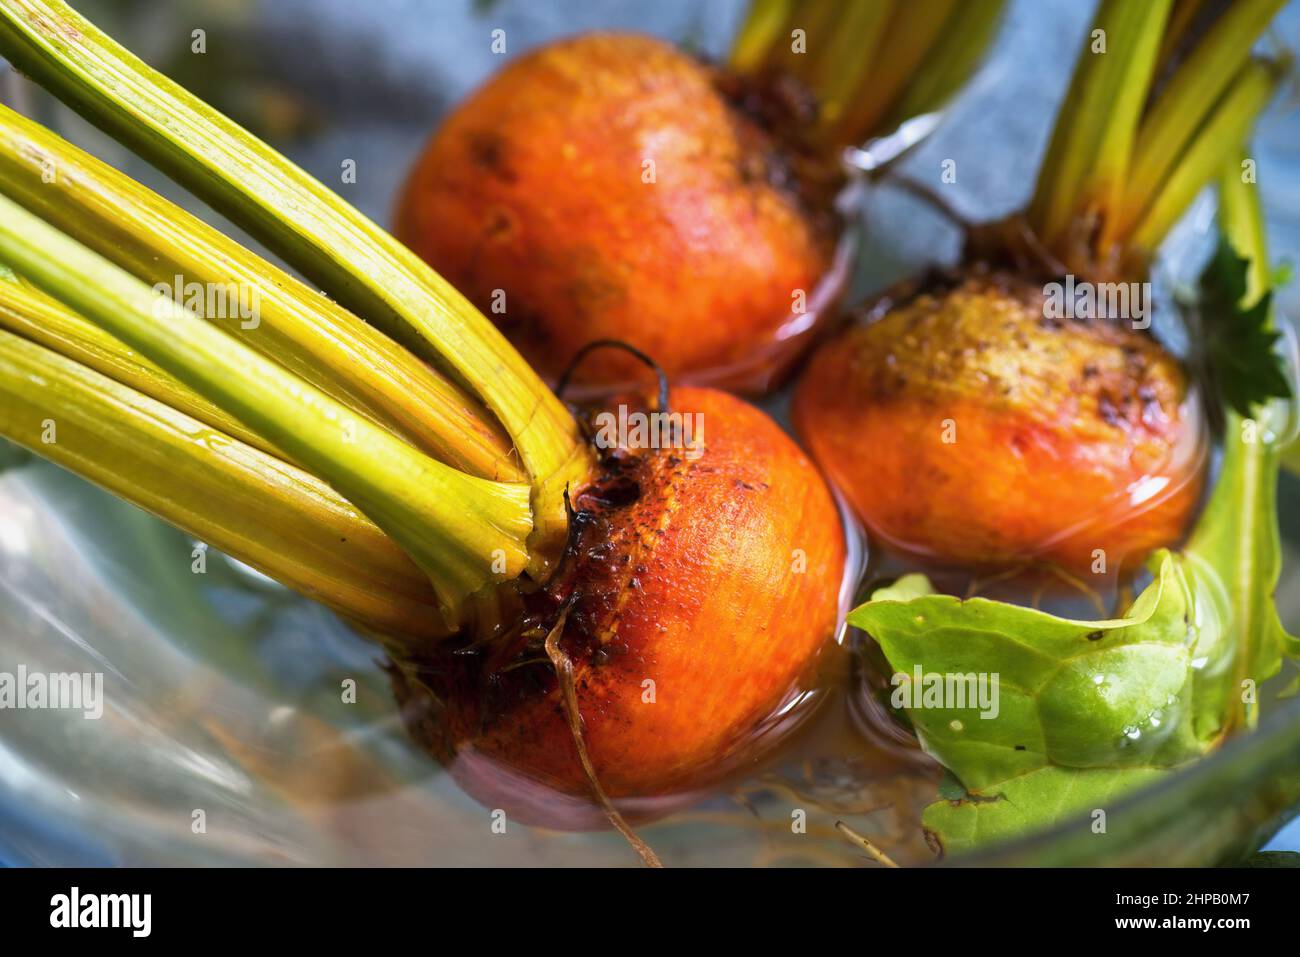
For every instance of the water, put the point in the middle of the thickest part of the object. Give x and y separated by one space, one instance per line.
223 697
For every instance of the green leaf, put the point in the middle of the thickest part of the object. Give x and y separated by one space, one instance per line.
1215 811
905 589
1236 540
1037 800
1066 693
1240 344
1083 710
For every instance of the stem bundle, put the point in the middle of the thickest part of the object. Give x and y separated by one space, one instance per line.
1126 158
871 64
463 468
405 492
326 239
277 518
307 333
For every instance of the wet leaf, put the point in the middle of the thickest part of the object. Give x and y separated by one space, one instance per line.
1244 366
1073 711
1039 799
1236 544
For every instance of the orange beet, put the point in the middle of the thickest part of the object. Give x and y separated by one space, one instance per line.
966 426
717 578
536 186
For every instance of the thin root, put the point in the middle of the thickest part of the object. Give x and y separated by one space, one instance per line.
1076 583
879 856
564 672
930 197
978 585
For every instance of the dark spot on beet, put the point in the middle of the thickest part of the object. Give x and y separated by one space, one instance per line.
619 492
500 225
488 151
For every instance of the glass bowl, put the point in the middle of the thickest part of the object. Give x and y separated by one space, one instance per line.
225 737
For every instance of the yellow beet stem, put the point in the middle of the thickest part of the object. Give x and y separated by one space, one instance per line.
1181 17
1183 106
1095 128
1241 219
910 33
852 49
314 230
762 29
950 62
870 64
299 328
1224 131
800 48
31 314
1122 167
466 533
275 517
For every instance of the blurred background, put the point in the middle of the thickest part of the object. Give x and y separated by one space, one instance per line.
224 688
